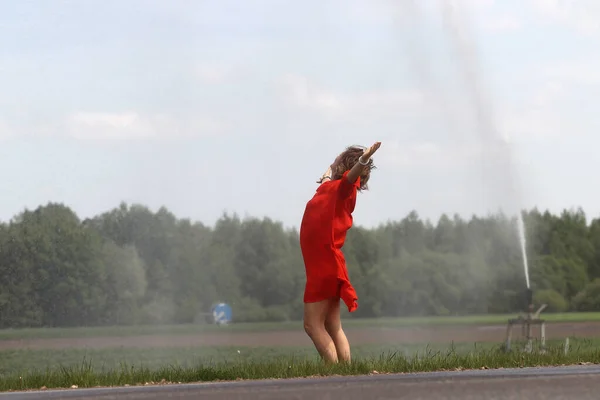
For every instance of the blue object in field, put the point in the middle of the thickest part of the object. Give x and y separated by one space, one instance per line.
221 313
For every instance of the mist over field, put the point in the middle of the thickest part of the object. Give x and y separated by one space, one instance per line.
157 157
170 158
135 266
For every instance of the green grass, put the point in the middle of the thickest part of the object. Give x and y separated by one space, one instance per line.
88 374
31 369
23 360
349 323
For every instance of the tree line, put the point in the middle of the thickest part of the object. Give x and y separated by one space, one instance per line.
135 266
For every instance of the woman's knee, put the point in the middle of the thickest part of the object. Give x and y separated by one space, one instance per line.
314 319
309 327
333 326
313 326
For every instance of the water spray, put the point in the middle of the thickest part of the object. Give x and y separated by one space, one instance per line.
495 148
467 57
531 318
523 241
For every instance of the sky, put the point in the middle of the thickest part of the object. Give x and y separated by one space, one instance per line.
207 107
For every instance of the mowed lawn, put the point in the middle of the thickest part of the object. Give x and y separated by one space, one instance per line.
12 361
23 360
17 360
349 323
35 369
22 368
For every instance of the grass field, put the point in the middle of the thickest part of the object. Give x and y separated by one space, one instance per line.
23 360
35 358
227 364
349 323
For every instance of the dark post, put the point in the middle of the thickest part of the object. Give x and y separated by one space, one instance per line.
529 305
529 300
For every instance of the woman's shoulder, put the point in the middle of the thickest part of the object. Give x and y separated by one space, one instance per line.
329 184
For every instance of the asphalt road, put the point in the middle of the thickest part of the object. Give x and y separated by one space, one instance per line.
559 383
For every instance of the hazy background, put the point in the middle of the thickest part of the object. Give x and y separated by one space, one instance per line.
206 106
211 106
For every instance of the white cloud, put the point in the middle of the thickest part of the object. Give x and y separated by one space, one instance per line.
547 94
413 154
533 125
300 92
549 111
538 114
476 4
364 12
210 73
305 95
539 117
579 72
484 14
501 23
5 130
131 125
430 154
581 15
434 114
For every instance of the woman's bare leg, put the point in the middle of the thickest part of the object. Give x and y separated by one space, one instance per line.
315 315
333 325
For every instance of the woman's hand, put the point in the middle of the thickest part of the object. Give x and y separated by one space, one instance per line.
363 161
370 151
326 176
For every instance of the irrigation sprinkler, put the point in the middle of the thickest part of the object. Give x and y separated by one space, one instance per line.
527 322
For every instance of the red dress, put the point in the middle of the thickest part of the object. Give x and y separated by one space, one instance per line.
327 218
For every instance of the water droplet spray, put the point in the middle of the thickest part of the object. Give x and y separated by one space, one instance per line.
523 240
494 146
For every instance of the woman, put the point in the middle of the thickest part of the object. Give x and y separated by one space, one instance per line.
327 218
